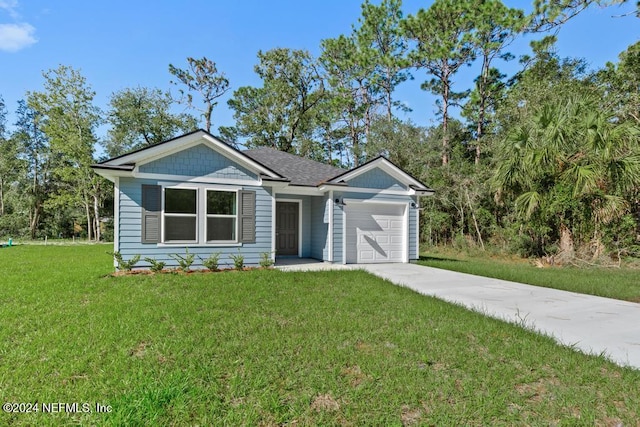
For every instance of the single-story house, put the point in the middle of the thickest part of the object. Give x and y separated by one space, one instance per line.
197 192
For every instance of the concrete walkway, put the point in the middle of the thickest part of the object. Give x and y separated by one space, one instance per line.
592 324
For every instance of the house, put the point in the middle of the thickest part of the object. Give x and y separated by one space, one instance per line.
197 192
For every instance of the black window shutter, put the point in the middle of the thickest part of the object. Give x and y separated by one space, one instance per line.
247 216
151 195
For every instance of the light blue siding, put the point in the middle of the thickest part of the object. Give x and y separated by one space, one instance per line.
200 161
130 225
320 227
378 179
413 231
338 220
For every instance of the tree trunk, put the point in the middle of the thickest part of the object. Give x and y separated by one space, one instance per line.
389 101
207 117
445 119
475 221
567 250
34 220
1 197
35 217
89 225
483 100
96 214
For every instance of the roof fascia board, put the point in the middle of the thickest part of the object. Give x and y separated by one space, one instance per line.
155 151
344 189
202 179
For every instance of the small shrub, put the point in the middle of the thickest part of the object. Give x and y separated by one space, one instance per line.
238 260
265 260
124 264
212 263
156 266
184 262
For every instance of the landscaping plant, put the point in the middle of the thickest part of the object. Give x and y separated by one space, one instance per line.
212 263
156 266
265 260
184 262
125 265
238 260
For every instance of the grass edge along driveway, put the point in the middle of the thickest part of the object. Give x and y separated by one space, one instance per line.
616 283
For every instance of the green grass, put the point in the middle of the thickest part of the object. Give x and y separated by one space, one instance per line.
618 283
268 347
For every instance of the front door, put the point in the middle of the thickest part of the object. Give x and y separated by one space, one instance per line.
287 228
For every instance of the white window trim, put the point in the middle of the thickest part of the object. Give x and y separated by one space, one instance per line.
201 215
116 217
207 216
164 214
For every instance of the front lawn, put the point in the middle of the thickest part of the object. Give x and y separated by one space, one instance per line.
271 348
617 283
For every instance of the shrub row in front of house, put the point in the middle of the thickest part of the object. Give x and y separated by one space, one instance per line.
186 261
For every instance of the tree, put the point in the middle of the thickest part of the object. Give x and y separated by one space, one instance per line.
201 77
544 76
36 155
70 121
8 157
281 113
404 143
442 45
548 14
622 84
570 168
380 37
140 117
353 96
495 27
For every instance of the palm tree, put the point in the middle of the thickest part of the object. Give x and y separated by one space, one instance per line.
569 167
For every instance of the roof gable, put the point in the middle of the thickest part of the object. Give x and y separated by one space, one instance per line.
198 161
154 153
376 178
384 166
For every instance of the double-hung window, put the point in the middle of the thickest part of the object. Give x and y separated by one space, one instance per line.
200 215
180 215
222 217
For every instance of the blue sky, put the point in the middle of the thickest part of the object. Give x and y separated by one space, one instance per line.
118 44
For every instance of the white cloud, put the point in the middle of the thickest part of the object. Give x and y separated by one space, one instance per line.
14 37
10 6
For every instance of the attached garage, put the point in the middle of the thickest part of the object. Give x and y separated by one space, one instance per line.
376 232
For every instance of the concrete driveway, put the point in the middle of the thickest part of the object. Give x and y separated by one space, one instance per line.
592 324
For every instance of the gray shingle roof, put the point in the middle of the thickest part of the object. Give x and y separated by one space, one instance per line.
299 170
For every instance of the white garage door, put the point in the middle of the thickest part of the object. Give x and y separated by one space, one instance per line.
375 233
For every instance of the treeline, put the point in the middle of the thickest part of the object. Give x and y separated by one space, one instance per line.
542 162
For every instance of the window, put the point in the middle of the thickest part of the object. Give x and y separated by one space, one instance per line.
180 214
202 216
221 216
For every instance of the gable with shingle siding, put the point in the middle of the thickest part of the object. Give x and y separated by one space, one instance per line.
198 161
378 179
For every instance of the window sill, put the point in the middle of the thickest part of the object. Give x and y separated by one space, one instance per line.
200 245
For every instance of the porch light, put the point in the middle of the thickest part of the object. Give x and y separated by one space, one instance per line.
339 202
